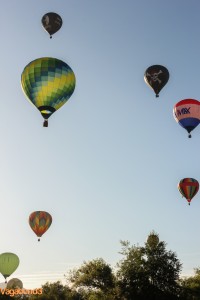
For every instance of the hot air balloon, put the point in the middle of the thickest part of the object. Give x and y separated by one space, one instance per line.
8 263
48 83
40 221
187 114
188 187
156 77
152 240
14 283
51 22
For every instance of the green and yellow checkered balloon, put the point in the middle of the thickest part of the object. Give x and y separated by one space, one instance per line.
48 83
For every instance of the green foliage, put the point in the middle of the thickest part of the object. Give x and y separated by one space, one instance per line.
191 286
149 272
162 266
5 297
95 274
131 274
56 291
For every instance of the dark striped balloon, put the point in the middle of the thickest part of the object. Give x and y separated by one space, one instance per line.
188 187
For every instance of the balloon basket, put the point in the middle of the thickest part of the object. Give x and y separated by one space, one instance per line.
45 124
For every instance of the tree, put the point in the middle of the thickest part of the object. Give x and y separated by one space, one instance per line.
191 286
163 267
149 272
4 297
56 291
131 275
94 279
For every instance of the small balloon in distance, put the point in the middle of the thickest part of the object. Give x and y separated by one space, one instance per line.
188 187
51 22
40 221
156 77
14 283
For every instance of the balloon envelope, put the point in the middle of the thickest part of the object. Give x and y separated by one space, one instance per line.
156 77
14 283
48 83
40 221
3 285
51 22
8 263
188 187
153 240
187 114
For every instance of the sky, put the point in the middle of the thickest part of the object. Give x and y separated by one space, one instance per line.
108 165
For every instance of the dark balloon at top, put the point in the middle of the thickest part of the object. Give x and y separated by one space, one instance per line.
156 77
51 22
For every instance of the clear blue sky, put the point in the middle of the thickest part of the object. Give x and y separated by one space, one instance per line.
108 165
